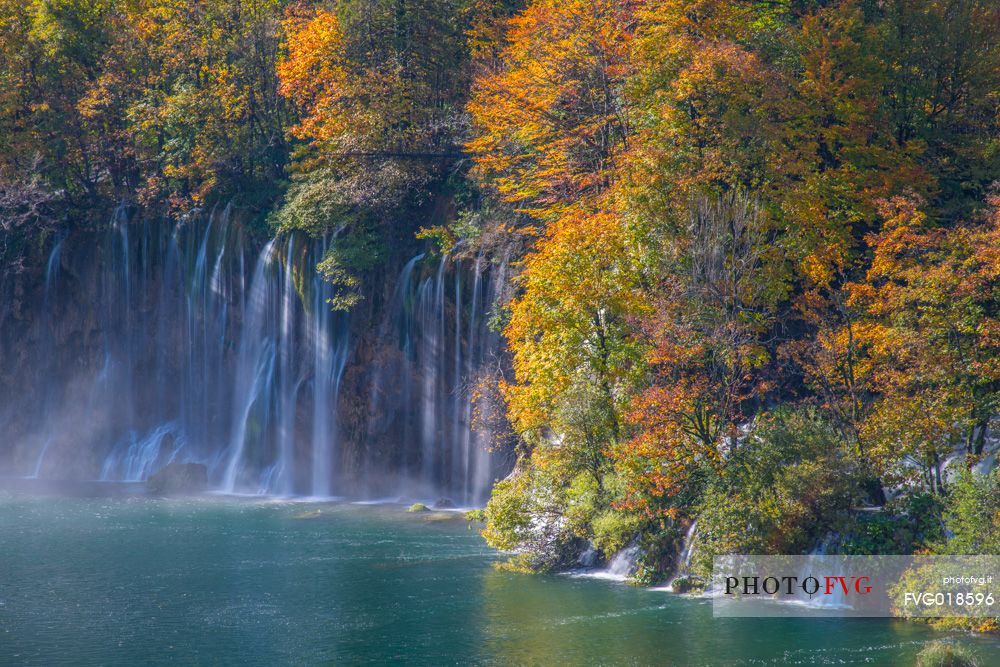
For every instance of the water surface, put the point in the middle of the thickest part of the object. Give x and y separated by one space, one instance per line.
137 581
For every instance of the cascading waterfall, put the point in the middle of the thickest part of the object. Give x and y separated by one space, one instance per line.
197 347
684 561
51 284
254 370
330 339
425 390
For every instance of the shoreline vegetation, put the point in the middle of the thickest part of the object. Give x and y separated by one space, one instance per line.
756 305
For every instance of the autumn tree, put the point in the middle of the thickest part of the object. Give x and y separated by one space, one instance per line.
930 298
550 122
707 333
938 64
570 329
380 89
207 121
551 119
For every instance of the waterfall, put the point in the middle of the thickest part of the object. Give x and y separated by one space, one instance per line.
142 456
331 348
684 562
430 321
820 559
254 370
51 279
683 580
289 383
623 564
440 360
189 342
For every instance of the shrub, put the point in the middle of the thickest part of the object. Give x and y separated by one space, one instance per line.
614 529
946 654
783 488
523 517
972 514
688 584
904 525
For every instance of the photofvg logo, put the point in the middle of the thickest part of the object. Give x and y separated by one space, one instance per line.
829 585
858 586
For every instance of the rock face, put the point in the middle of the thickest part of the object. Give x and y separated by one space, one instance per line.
178 479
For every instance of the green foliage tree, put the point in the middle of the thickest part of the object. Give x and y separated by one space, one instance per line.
781 490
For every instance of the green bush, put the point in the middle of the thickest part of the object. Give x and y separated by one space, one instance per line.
581 502
972 514
946 654
508 513
783 488
688 584
523 516
658 553
903 526
614 529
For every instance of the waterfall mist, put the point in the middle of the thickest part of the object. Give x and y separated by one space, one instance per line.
154 342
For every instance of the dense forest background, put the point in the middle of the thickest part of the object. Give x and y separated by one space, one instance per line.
758 241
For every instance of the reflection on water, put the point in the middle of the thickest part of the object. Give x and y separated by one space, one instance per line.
552 620
127 581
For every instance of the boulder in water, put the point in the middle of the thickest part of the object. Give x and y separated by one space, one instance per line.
444 504
178 479
418 507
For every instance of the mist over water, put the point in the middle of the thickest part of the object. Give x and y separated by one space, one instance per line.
155 342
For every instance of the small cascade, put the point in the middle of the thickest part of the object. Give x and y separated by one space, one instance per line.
684 562
622 566
823 558
136 458
624 563
589 558
683 580
195 344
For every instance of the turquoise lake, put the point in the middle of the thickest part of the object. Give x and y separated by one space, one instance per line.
137 581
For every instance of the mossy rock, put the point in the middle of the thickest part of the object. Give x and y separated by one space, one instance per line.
687 584
476 515
418 507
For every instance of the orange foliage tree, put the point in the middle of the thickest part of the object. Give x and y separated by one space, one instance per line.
707 351
551 119
930 304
